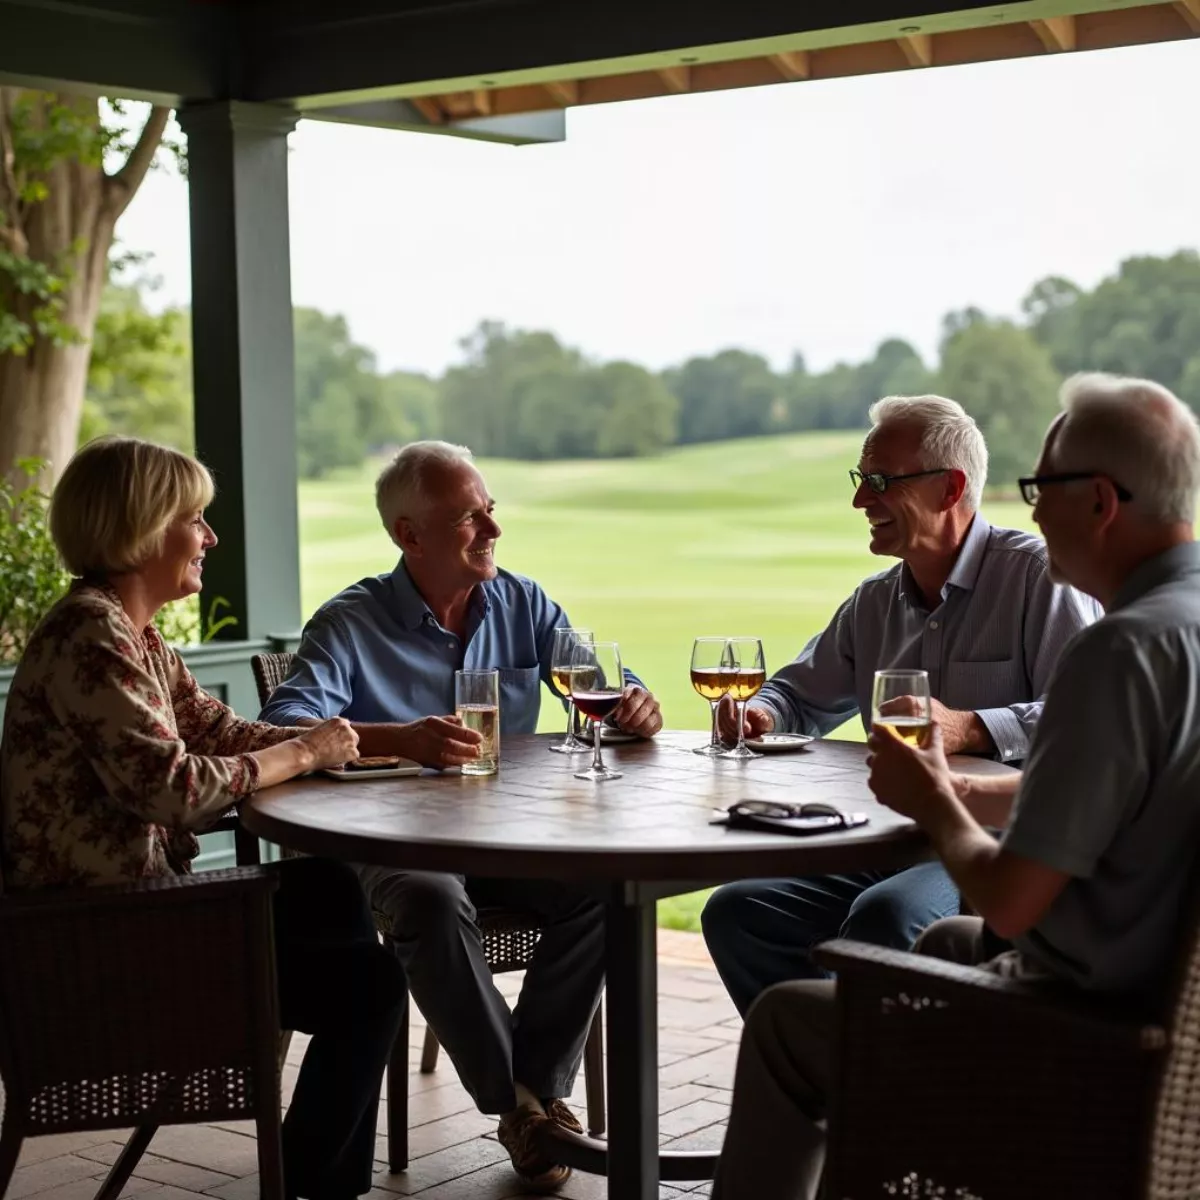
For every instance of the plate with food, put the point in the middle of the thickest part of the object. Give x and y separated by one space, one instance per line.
379 766
779 743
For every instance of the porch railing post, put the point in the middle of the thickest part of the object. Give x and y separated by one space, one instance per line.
244 374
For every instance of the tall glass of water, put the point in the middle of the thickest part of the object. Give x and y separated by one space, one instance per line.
902 704
477 706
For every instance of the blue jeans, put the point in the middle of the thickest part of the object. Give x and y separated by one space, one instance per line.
760 931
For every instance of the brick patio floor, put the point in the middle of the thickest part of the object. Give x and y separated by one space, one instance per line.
453 1152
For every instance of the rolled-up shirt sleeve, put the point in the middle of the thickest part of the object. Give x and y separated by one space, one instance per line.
815 693
1054 614
321 683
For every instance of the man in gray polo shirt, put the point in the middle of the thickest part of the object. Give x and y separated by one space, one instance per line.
971 604
1089 881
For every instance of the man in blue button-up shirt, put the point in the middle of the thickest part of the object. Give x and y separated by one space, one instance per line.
383 653
972 605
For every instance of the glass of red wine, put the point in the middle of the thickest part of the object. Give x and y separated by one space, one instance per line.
597 682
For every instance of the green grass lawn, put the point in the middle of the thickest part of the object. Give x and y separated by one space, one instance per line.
749 537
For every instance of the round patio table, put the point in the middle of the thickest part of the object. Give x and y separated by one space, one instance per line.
628 841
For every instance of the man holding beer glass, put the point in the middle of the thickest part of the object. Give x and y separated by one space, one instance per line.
1092 880
385 653
971 605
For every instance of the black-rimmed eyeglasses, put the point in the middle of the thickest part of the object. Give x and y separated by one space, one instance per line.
781 810
877 481
1031 485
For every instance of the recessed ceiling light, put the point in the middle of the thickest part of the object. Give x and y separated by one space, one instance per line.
910 29
689 60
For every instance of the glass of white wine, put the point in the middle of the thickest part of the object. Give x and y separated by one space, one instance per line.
749 673
713 675
902 704
565 642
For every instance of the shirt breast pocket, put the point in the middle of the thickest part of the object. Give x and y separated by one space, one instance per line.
991 683
520 696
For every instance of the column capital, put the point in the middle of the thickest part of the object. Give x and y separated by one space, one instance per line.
240 116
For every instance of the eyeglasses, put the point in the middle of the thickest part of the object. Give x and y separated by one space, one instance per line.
783 811
878 482
1031 485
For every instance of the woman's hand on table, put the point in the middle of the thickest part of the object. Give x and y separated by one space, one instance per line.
332 743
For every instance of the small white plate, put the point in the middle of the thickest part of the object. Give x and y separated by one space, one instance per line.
406 767
609 736
779 743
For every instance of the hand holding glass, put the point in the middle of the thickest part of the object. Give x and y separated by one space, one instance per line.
565 642
477 706
902 704
749 674
712 676
597 684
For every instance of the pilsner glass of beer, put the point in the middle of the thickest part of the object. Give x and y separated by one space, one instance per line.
477 705
901 703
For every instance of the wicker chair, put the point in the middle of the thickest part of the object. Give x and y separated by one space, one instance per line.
959 1084
509 939
140 1005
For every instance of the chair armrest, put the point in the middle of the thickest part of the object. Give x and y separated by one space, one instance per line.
159 892
859 964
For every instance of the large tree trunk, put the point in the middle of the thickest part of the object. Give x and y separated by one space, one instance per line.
70 231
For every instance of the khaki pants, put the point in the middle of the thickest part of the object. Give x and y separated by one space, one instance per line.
775 1144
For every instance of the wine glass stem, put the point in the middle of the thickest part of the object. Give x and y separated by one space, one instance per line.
597 763
570 738
714 705
741 724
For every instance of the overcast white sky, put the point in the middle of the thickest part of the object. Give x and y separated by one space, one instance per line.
819 217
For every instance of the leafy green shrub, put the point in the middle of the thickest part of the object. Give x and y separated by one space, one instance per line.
32 576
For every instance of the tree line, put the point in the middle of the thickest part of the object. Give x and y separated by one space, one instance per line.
524 394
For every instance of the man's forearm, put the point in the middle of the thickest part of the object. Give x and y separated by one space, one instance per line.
965 733
968 852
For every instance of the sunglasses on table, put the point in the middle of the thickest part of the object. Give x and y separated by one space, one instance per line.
878 482
1031 485
780 817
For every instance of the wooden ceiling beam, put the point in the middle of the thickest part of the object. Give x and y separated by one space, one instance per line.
563 91
1189 10
795 64
918 49
1057 34
677 79
430 109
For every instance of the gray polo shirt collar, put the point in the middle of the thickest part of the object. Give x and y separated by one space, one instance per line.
966 567
1171 564
410 606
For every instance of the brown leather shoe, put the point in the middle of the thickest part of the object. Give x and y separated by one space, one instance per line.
562 1115
518 1134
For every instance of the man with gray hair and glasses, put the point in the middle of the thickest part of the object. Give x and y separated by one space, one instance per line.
1092 880
383 654
973 605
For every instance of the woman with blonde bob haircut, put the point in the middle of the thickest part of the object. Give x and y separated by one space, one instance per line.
113 759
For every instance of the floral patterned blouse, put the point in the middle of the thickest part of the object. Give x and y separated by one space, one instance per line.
112 756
